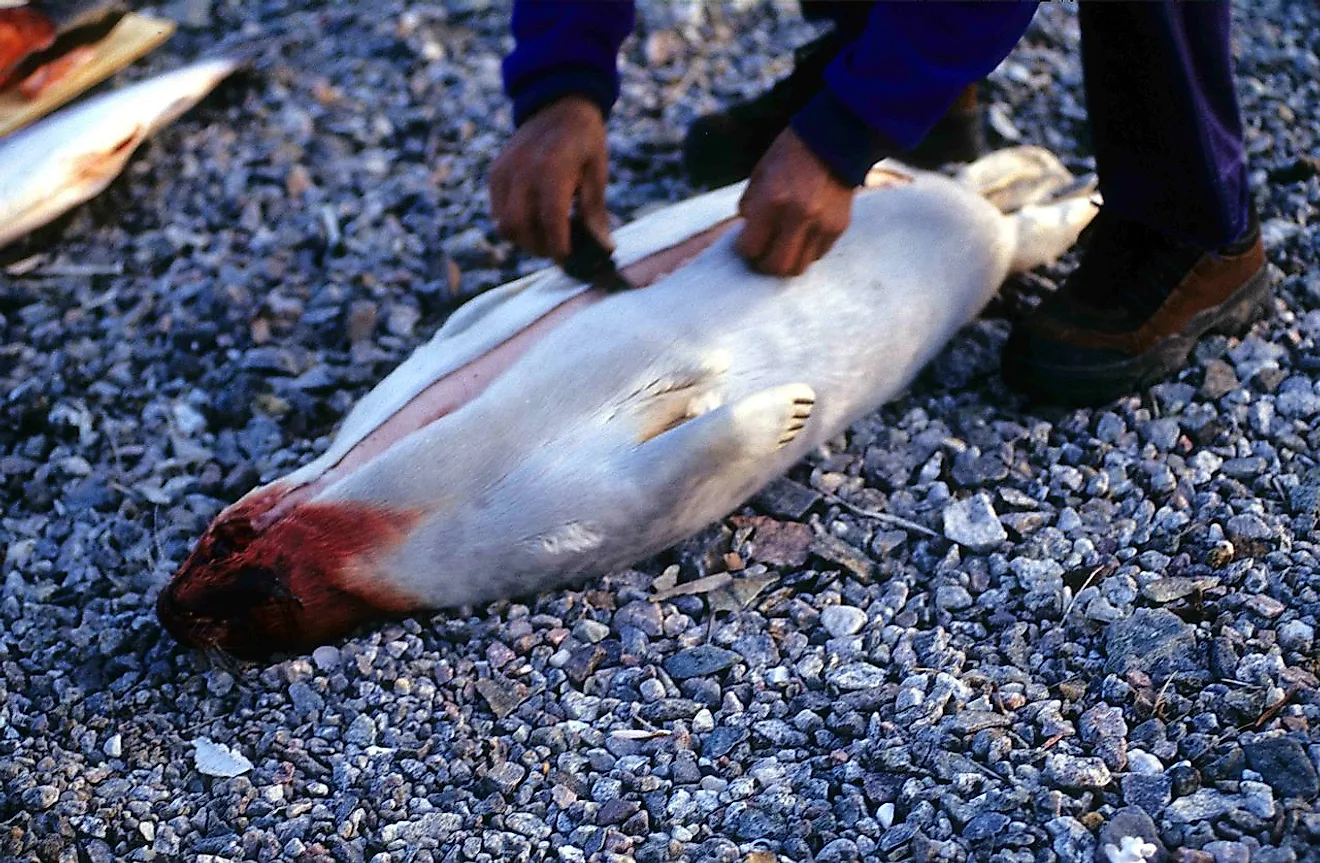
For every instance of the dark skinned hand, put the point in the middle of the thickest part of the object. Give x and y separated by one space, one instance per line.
795 209
557 155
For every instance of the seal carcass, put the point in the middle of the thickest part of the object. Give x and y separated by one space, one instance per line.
550 432
70 157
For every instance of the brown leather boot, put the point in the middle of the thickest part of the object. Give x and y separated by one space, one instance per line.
1131 312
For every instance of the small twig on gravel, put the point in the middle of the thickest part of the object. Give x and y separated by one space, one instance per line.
693 588
885 517
985 770
75 271
1159 699
24 266
1051 741
1072 600
1273 710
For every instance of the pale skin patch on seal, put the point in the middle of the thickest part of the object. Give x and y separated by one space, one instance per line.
572 538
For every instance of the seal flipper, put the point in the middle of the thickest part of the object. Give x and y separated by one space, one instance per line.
1043 232
754 427
1015 177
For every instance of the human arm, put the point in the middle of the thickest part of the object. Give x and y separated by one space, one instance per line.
883 93
563 80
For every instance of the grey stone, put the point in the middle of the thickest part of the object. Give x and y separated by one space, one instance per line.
1284 764
1071 771
1129 822
670 709
700 661
502 695
1162 433
616 811
507 776
1304 498
1258 799
591 631
787 499
362 731
1103 727
842 620
1228 852
1220 379
722 740
41 797
898 836
840 850
326 657
753 822
985 826
1150 792
969 722
583 662
953 597
1175 587
1296 635
972 522
1155 641
1186 779
1248 526
641 615
779 733
1071 841
305 699
1243 469
858 675
1203 805
1110 427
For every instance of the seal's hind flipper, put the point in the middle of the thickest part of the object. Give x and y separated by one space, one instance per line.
1042 233
1015 177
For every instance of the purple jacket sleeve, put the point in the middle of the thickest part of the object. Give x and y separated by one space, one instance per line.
563 47
887 89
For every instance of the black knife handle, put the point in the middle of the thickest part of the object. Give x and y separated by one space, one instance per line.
588 260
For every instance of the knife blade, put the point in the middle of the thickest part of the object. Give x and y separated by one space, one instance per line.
589 261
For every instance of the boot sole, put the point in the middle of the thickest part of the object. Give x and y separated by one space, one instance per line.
1103 384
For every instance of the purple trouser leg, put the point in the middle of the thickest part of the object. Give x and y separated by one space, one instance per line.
1165 121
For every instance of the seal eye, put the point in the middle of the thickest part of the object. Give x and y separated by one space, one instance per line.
229 538
241 591
221 547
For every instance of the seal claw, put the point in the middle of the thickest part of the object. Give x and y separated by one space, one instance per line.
800 402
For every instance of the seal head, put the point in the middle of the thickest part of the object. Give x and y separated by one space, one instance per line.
304 580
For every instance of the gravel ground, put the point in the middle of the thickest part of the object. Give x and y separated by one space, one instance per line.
1125 625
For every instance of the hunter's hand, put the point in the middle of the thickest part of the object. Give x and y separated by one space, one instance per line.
795 209
559 153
